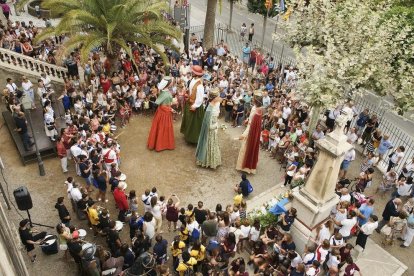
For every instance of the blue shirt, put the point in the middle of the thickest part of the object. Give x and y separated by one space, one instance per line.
384 146
366 211
246 52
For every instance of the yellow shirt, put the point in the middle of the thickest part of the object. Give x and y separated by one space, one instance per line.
238 199
106 128
190 214
183 267
93 216
198 254
177 251
184 234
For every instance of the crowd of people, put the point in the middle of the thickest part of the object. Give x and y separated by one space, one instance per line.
200 87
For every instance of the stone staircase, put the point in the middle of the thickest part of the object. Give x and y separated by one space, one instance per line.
26 65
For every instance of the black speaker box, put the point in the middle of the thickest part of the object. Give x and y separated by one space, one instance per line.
23 199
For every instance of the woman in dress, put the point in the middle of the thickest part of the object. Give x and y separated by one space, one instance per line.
208 151
161 136
249 151
49 120
28 92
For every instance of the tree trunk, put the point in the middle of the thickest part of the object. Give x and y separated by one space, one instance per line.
209 25
231 14
264 30
316 110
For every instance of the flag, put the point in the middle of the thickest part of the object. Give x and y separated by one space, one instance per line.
282 6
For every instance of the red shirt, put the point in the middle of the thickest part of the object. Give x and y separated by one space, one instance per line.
106 84
120 200
61 150
265 136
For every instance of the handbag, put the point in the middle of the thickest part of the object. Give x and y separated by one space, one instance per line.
386 230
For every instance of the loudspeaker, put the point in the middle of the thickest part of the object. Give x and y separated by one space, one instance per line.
23 199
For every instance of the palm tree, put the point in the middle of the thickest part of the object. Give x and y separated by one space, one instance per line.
209 24
111 24
231 12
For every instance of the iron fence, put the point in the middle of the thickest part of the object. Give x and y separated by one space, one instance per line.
398 136
236 44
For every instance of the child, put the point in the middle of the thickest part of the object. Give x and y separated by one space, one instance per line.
264 141
146 106
242 210
190 212
238 198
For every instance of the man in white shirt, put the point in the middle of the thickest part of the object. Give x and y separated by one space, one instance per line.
348 158
194 110
345 196
286 112
396 157
318 133
347 225
266 99
403 188
75 193
46 81
352 136
366 230
11 86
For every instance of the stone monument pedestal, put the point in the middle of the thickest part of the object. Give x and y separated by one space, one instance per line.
317 198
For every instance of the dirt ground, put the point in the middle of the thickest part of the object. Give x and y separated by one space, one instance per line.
170 171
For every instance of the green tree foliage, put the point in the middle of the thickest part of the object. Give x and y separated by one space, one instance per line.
258 6
111 24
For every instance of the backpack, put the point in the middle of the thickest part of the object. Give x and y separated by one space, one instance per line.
249 187
311 261
195 235
325 263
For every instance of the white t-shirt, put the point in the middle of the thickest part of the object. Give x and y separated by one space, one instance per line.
286 112
396 156
347 225
335 242
245 230
324 234
350 155
11 87
321 254
254 234
297 260
309 258
150 228
404 190
346 197
156 211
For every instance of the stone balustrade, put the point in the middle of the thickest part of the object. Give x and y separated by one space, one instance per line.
28 65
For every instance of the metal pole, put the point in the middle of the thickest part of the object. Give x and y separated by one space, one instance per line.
264 28
281 54
39 158
273 40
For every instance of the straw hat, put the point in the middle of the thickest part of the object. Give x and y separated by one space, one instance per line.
197 70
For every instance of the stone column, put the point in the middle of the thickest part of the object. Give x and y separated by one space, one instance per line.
315 201
11 259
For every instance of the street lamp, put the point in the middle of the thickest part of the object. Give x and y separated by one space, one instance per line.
27 105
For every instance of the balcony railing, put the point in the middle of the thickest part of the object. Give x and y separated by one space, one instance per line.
29 65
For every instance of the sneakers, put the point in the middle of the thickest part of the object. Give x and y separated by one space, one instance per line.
403 246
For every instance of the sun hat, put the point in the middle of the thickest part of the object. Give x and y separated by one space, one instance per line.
164 83
122 185
197 70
